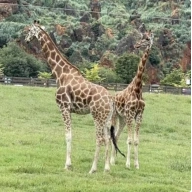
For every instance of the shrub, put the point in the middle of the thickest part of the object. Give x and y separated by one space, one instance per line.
175 78
108 75
93 74
17 63
9 31
126 67
154 57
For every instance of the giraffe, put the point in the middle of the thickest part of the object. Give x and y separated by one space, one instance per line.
76 95
129 106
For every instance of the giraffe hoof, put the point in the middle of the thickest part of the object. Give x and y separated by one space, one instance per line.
112 161
106 170
128 166
92 171
68 167
137 166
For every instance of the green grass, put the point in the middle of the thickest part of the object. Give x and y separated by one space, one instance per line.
32 146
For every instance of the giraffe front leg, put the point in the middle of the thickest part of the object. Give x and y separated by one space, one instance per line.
136 139
68 136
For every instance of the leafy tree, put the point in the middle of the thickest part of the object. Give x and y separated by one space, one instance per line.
93 74
44 75
175 78
17 63
153 57
1 70
9 31
108 75
126 67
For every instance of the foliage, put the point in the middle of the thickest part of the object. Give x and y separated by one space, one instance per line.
44 75
93 74
115 15
1 70
84 66
175 78
19 64
9 31
108 75
182 34
126 67
104 43
154 57
17 18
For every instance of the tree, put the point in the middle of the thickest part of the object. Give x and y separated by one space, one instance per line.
17 63
9 31
93 74
175 78
44 75
153 57
126 67
1 70
108 75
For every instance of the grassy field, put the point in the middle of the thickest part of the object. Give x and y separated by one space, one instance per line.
32 147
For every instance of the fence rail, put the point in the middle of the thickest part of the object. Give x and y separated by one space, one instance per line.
23 81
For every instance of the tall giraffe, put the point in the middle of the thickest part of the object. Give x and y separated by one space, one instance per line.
76 95
129 106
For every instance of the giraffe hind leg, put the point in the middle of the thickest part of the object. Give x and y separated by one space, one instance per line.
107 146
129 141
100 137
119 127
99 140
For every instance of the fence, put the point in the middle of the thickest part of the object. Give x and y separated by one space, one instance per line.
22 81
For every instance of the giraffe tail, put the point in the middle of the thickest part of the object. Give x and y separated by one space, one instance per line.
112 130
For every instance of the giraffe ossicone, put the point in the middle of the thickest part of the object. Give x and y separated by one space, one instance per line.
76 95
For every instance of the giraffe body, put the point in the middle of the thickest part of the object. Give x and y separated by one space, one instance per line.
129 107
77 95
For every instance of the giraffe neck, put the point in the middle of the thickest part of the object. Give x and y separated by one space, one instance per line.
137 81
58 63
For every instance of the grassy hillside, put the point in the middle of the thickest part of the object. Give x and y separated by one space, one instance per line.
32 146
85 40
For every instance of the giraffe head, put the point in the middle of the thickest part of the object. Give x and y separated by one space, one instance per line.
146 42
33 31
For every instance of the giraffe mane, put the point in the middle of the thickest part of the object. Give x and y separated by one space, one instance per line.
61 55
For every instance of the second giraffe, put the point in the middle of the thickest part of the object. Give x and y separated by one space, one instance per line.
129 106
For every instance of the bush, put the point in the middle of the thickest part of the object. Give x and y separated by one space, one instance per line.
93 74
17 63
153 57
126 67
108 75
175 78
1 70
9 31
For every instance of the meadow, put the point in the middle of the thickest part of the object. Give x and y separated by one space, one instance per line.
32 146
